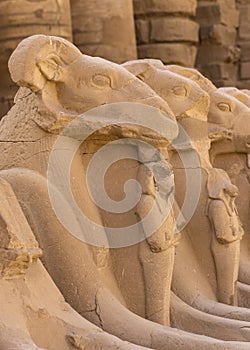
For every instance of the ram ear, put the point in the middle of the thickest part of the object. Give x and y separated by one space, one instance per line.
52 68
141 69
39 59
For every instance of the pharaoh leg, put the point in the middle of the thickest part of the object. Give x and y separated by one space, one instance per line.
157 282
226 258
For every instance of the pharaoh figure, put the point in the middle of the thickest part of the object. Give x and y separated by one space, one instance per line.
229 121
227 233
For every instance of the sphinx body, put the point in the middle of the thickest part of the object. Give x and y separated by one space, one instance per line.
228 127
185 91
52 98
34 309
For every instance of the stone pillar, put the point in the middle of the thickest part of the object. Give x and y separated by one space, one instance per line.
166 30
19 19
104 28
243 41
218 53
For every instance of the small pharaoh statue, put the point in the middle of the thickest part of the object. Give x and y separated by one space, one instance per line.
227 233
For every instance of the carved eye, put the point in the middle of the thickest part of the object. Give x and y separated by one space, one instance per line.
180 91
224 107
101 80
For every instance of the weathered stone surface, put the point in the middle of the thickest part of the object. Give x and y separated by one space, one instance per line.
226 276
243 84
244 28
21 18
218 34
217 53
104 284
217 12
142 31
183 54
208 14
243 42
18 246
245 51
221 71
87 31
104 28
245 70
47 16
169 6
173 29
168 23
218 48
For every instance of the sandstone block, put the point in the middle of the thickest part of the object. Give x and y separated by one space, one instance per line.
170 6
245 70
219 12
170 53
174 29
218 34
142 31
92 24
224 71
243 84
245 52
229 12
217 53
106 30
88 37
225 83
208 14
41 17
243 2
244 28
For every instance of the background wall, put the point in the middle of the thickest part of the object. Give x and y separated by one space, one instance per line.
218 53
167 30
211 35
243 42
